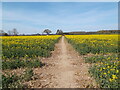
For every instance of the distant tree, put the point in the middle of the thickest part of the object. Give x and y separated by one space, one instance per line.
15 32
47 31
5 34
2 33
59 32
9 32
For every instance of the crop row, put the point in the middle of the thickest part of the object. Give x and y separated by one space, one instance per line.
24 52
28 46
105 70
94 43
105 61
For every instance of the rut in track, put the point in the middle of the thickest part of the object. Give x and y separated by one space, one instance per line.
64 69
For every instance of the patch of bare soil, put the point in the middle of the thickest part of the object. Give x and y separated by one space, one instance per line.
64 69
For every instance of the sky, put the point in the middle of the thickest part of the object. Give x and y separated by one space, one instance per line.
34 17
60 0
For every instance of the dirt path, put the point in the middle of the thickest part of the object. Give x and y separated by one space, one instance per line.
64 69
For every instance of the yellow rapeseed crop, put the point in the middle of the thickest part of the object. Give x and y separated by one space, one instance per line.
105 50
27 46
94 43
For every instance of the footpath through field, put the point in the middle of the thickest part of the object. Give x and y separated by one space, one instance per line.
64 69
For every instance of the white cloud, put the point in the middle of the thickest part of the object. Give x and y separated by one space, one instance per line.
39 17
21 28
34 22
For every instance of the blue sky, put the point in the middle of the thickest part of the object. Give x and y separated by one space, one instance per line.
34 17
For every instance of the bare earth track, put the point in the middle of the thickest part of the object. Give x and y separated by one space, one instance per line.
64 69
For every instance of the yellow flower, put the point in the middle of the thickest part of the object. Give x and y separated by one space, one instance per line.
108 66
117 71
103 68
110 80
104 73
100 69
114 76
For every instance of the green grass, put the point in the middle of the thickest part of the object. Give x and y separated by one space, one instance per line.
14 64
100 58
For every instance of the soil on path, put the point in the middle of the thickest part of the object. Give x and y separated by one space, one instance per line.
64 69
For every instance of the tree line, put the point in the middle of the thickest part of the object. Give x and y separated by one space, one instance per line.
14 32
96 32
